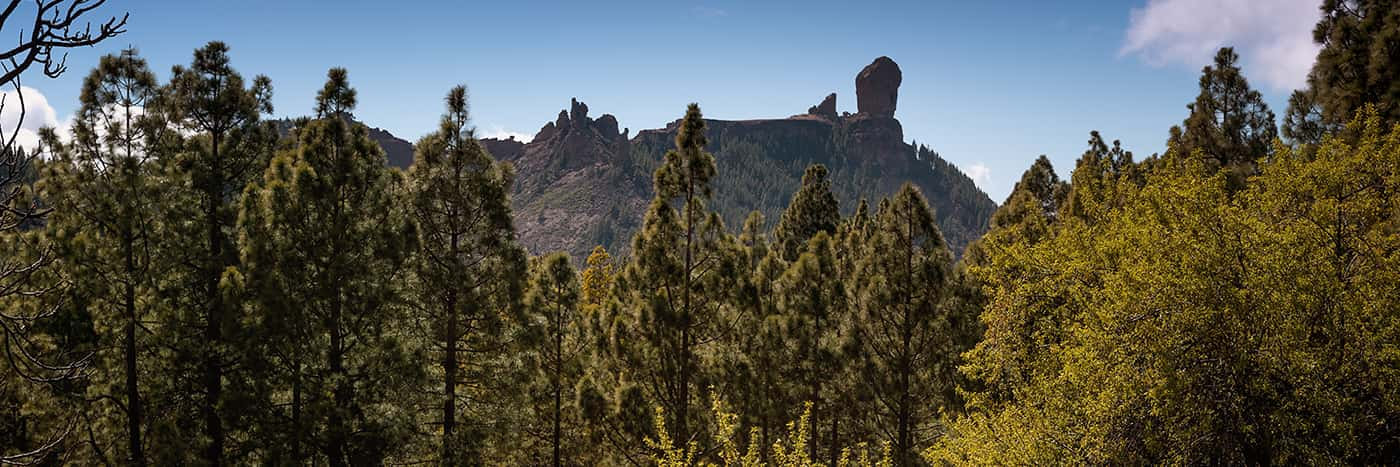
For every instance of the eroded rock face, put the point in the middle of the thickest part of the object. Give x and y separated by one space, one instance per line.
877 87
579 112
825 109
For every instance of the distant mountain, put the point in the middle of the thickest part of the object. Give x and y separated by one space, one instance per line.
581 182
398 151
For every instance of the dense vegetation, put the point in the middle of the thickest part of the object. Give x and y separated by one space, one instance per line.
186 283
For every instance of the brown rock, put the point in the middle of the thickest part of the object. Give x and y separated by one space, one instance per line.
562 121
547 131
606 126
827 108
578 111
877 87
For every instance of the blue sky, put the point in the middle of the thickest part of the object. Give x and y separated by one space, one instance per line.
989 85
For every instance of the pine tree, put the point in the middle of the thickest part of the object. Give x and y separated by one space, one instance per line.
1099 178
815 331
210 100
554 354
752 359
107 195
325 250
676 284
1229 122
812 209
1357 65
470 269
903 319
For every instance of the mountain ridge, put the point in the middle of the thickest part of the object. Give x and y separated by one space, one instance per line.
582 182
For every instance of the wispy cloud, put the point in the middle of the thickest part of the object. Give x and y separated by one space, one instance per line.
709 12
1273 37
980 174
500 132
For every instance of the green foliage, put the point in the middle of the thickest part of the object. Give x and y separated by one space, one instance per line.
106 190
1357 66
903 320
323 251
678 284
469 278
790 452
554 345
812 210
1249 332
1229 124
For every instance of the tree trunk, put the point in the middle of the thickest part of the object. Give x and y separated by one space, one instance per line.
904 444
213 331
682 428
449 385
336 426
133 392
558 375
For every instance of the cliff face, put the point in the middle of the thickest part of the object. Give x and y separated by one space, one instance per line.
580 182
761 161
574 188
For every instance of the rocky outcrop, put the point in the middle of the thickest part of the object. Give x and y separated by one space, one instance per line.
825 109
577 185
877 87
573 185
508 149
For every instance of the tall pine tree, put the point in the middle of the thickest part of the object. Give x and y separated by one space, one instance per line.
107 196
675 285
470 269
211 101
326 250
1229 123
554 351
903 320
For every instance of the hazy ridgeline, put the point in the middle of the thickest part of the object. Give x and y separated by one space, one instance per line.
183 282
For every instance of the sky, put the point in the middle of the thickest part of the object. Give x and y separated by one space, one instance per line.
988 85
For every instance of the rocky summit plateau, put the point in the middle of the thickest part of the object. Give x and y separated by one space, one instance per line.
582 182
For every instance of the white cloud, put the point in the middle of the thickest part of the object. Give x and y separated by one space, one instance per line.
980 174
1273 37
37 114
499 132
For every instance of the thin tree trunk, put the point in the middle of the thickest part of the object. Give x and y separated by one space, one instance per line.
905 366
213 331
558 375
133 392
682 428
449 385
336 428
816 389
